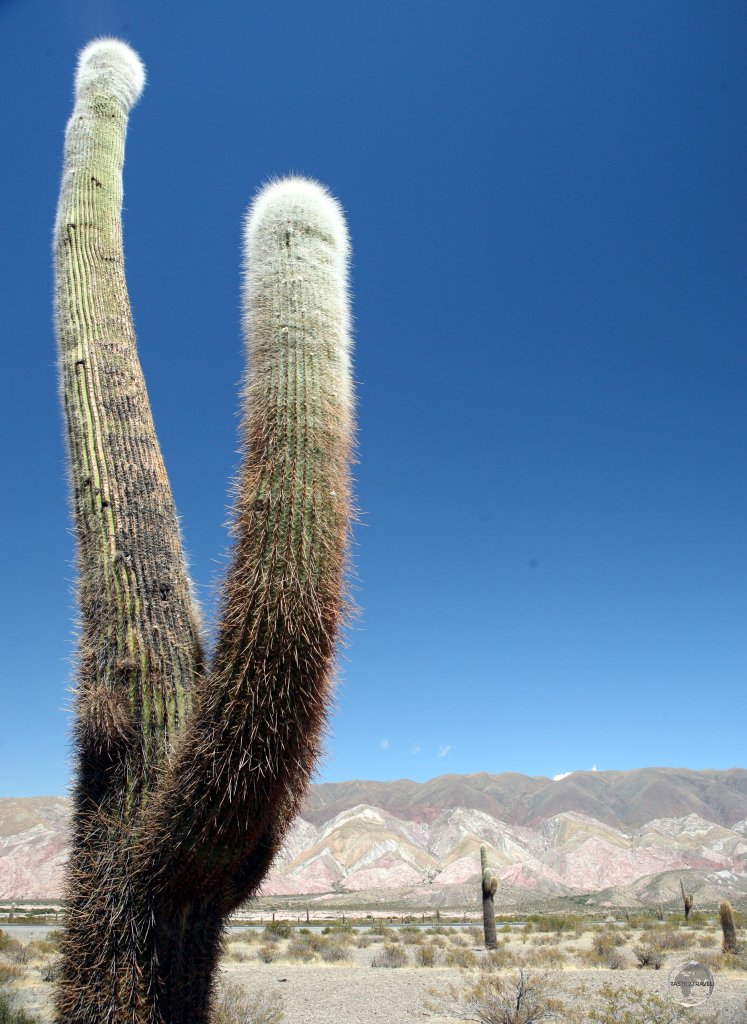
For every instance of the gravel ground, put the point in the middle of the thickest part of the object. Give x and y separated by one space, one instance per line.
356 993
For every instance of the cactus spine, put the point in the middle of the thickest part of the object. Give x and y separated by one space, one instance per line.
489 886
687 900
728 927
188 775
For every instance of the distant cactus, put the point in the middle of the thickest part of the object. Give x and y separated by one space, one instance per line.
659 912
728 927
189 775
489 886
687 899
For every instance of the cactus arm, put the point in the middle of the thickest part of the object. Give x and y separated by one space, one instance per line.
139 642
251 743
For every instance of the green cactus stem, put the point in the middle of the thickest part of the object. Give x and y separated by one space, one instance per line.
188 775
728 927
489 887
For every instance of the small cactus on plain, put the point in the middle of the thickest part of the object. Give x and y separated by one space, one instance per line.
489 887
687 900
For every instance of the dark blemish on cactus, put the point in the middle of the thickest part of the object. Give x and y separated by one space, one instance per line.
164 589
80 362
288 238
96 181
258 506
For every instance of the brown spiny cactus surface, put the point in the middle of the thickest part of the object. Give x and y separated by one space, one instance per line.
728 927
189 775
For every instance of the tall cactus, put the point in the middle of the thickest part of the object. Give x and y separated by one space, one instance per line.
728 927
687 900
489 886
189 774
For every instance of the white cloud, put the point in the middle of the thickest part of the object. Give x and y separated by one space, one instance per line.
416 749
384 744
444 750
564 775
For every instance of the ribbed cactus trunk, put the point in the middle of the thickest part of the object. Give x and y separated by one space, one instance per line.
189 775
687 900
728 927
489 886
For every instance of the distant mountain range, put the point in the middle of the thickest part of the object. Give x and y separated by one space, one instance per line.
606 838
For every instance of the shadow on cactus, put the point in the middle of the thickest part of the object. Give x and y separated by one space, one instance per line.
190 771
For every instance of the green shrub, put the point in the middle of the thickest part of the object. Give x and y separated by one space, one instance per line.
554 922
276 930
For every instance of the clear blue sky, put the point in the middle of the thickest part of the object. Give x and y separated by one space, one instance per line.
547 207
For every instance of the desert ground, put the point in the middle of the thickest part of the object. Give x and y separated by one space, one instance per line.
576 969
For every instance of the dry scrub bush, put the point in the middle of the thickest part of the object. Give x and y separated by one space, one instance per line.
670 938
498 959
552 957
732 961
10 972
267 953
649 956
631 1005
234 1005
604 951
390 956
522 998
425 955
236 956
301 949
246 935
462 958
333 951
